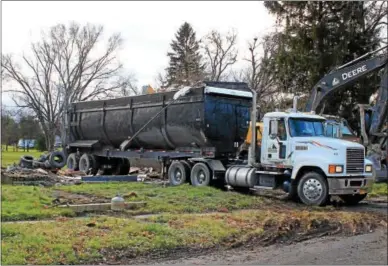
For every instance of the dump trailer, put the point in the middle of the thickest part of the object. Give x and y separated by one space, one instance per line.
209 133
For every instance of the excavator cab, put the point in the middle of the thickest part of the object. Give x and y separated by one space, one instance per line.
337 127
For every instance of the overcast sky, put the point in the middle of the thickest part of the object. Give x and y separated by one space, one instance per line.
146 27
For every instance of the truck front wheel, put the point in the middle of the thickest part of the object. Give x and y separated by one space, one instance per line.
313 189
200 175
352 199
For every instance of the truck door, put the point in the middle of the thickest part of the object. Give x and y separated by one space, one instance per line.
277 144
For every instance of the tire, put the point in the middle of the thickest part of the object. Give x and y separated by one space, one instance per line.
88 164
26 161
121 167
188 169
43 158
57 164
319 196
200 175
352 199
292 195
85 163
72 162
177 173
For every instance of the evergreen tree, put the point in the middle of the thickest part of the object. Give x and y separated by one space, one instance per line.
185 65
317 36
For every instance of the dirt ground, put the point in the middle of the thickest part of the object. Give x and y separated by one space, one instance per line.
73 198
321 248
366 249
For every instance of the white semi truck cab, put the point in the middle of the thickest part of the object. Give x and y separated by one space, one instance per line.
296 155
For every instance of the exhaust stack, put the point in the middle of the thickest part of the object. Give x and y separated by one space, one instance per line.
295 104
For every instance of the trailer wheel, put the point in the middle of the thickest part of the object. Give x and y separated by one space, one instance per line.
188 170
313 189
352 199
177 173
72 162
200 175
85 163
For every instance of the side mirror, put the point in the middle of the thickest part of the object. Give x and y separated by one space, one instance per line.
274 129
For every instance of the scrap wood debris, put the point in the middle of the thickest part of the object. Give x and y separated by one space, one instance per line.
18 175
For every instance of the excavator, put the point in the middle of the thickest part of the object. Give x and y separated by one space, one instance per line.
373 119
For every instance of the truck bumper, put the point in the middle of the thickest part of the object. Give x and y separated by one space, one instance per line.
353 185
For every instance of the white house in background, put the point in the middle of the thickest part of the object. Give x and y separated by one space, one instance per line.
27 143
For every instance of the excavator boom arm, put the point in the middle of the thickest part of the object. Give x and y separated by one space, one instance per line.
341 77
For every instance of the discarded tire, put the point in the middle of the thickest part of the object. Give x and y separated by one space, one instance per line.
72 162
26 161
57 159
43 158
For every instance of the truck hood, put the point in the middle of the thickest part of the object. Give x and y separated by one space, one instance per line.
328 143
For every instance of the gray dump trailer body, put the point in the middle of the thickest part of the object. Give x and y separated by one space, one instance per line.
214 117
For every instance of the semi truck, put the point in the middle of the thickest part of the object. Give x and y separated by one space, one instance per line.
210 133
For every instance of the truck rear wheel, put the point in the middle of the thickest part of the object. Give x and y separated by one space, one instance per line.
177 173
352 199
313 189
200 175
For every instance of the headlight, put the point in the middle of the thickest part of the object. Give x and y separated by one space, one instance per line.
368 168
335 169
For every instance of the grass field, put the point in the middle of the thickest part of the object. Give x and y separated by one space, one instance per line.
30 203
26 202
111 240
182 222
9 157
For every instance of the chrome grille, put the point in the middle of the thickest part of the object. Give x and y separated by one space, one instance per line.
354 160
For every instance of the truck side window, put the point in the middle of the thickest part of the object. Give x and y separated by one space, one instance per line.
282 133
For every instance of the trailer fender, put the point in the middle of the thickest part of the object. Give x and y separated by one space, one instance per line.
216 166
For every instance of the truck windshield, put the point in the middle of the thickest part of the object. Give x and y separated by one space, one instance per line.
301 127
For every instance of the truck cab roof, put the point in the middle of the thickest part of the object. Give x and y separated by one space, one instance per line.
292 114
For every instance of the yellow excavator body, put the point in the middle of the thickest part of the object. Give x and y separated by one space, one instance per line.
259 128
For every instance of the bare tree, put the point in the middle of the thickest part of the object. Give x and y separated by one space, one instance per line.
129 86
65 66
221 53
259 74
161 81
9 127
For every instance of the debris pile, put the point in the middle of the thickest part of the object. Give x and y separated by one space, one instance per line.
24 176
52 161
144 173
